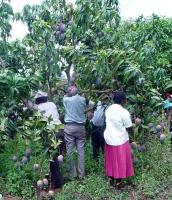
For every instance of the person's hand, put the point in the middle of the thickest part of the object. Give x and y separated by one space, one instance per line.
89 115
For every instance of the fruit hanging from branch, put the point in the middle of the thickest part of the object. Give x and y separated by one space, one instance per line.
36 167
150 125
60 158
15 158
24 160
158 127
45 182
141 148
28 152
134 145
60 31
40 184
137 121
50 193
162 138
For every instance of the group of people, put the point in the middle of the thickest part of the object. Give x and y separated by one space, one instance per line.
110 129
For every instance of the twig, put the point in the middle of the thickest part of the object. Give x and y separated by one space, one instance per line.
96 91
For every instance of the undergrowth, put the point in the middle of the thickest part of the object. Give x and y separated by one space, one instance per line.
153 175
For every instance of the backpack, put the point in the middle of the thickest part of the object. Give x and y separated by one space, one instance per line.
99 115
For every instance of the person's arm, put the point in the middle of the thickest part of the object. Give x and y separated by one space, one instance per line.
87 101
61 118
64 100
90 106
90 115
128 124
130 132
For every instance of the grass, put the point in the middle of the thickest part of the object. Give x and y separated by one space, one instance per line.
152 181
153 177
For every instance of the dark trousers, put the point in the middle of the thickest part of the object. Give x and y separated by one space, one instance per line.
56 176
170 129
97 140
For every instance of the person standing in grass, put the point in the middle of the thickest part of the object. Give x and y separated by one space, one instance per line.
118 159
49 109
74 130
97 129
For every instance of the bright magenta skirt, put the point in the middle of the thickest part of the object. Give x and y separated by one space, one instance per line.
118 161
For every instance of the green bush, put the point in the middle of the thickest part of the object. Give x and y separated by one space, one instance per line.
19 178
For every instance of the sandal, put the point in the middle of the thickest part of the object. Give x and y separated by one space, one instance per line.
112 181
119 185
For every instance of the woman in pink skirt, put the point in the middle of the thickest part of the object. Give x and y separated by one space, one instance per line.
118 159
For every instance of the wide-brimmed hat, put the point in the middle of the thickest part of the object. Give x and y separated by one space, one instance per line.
40 94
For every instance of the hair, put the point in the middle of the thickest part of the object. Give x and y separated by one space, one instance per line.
72 91
41 100
119 97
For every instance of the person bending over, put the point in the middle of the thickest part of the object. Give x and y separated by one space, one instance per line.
49 109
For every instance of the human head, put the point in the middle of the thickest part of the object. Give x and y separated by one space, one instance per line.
119 97
72 91
41 97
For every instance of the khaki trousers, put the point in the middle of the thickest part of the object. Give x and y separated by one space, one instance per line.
75 137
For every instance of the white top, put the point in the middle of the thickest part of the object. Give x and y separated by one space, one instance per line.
49 109
99 116
117 120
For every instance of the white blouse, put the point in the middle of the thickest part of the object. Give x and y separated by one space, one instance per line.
117 120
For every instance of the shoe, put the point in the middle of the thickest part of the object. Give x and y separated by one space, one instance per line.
119 186
112 182
80 178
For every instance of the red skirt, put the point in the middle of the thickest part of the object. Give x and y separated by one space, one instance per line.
118 161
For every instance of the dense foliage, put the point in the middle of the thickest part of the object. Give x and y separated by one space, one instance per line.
105 54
